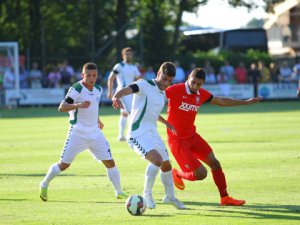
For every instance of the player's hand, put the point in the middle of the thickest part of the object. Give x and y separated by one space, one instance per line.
84 104
101 125
116 103
171 128
254 100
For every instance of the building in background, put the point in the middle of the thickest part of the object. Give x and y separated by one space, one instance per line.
283 29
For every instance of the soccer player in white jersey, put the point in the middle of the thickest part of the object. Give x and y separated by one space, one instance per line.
125 73
148 101
82 103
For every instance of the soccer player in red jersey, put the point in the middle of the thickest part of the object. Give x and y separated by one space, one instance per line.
186 145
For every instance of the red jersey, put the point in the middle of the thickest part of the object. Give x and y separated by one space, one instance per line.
183 107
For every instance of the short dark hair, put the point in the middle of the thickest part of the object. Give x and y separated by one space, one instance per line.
198 73
127 49
168 68
89 66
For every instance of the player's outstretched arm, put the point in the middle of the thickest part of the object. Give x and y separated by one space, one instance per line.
66 107
221 101
168 125
116 102
110 84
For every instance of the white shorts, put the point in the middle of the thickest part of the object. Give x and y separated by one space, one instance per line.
144 144
77 142
127 102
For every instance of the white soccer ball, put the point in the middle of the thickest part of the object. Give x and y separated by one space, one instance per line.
135 205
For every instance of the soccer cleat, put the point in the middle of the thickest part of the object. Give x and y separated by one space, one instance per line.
175 202
121 195
43 193
150 202
227 200
178 182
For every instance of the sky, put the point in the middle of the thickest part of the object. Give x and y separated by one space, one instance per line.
218 14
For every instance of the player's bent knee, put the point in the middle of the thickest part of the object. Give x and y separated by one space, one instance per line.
63 166
201 174
166 166
109 163
154 157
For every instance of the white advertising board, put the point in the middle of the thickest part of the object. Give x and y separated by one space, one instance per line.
43 96
239 91
278 91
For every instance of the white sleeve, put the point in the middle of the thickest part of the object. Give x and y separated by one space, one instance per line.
117 68
143 85
72 93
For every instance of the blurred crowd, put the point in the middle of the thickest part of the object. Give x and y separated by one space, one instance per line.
63 74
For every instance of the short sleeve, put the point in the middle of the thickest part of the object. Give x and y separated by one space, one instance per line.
143 86
117 68
72 93
170 92
206 96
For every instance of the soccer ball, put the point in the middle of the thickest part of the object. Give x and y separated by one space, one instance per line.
135 205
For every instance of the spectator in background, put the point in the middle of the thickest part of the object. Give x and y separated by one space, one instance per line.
264 72
210 76
180 74
1 80
140 68
285 73
206 67
274 73
24 77
254 76
298 92
241 73
9 79
222 80
35 76
192 66
65 77
149 74
229 71
54 78
296 70
69 69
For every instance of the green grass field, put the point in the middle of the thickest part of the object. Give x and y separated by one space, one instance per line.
258 147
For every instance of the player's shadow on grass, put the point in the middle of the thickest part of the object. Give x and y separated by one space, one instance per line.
259 211
43 174
201 203
13 200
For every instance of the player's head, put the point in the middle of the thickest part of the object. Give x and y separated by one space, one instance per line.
89 73
165 75
196 79
127 54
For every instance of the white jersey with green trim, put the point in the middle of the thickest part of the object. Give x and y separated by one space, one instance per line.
126 74
147 105
85 119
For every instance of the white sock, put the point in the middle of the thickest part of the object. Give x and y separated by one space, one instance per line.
167 180
150 175
53 171
114 177
122 125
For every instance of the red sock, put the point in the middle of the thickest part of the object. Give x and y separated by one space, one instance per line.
220 181
187 175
